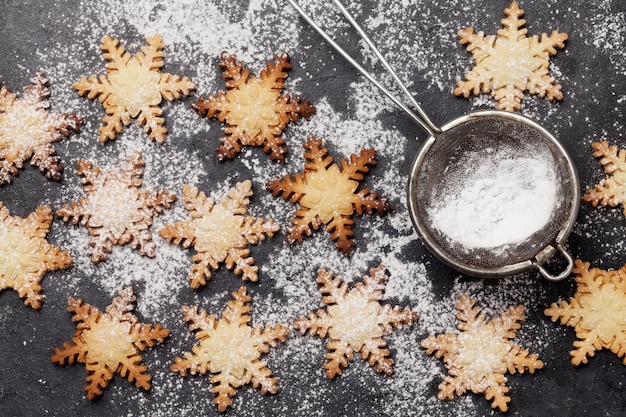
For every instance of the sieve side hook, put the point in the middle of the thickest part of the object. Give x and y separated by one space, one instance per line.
421 117
568 270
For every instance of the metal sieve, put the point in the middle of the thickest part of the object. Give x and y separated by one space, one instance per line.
477 133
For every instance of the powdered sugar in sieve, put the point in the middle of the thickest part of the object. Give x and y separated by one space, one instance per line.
495 198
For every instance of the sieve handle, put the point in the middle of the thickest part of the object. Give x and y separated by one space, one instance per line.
568 270
421 117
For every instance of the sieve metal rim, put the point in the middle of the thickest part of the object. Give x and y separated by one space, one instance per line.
544 254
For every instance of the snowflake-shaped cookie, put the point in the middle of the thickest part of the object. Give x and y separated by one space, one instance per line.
219 233
133 88
328 194
355 321
611 190
26 255
230 349
511 63
28 129
597 312
109 343
116 210
254 111
479 356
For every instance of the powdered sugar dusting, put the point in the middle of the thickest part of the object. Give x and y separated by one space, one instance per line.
419 38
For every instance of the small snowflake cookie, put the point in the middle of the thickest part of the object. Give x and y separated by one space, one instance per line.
597 312
116 209
327 194
230 349
109 343
219 233
479 356
355 321
511 63
28 129
133 88
26 255
253 109
611 191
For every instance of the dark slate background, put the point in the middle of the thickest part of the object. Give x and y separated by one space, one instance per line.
588 111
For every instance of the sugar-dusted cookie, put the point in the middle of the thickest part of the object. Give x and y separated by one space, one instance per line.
26 255
28 129
253 108
355 321
116 209
219 233
611 191
133 88
478 358
511 63
230 349
597 312
327 194
109 343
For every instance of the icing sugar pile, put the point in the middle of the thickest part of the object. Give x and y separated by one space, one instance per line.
500 201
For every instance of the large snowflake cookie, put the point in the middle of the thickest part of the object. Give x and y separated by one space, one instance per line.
109 343
327 194
116 209
597 312
26 255
230 349
133 88
479 356
355 321
511 63
219 233
28 129
253 108
611 191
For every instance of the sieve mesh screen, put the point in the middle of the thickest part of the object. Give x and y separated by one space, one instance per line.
446 166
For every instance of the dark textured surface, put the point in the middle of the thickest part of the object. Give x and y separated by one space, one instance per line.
35 35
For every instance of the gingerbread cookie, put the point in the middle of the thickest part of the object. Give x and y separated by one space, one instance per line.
328 194
478 358
253 109
116 209
355 321
109 343
597 312
28 129
230 349
611 191
133 88
511 63
219 233
26 255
